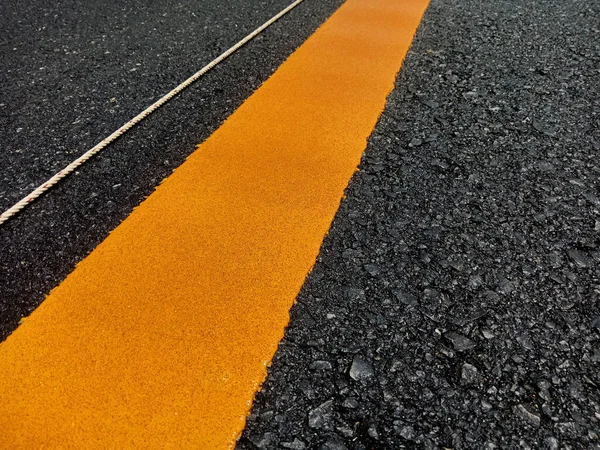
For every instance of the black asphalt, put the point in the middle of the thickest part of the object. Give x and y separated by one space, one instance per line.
73 72
456 300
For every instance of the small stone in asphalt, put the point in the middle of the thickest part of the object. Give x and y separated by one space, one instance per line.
525 341
594 200
543 128
415 142
522 412
579 258
439 163
475 281
321 365
361 369
265 441
405 298
334 442
406 432
461 343
551 443
355 294
372 269
469 374
372 431
505 286
347 432
567 428
296 444
350 403
430 103
487 334
321 416
485 405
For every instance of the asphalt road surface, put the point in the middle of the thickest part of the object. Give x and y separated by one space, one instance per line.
456 299
103 63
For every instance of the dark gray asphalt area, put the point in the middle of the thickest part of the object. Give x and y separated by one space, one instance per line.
74 71
456 300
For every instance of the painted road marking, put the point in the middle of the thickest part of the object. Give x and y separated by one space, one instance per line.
161 336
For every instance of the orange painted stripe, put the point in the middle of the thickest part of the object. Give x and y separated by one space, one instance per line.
161 336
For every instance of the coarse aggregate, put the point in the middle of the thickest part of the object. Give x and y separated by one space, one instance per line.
456 300
74 71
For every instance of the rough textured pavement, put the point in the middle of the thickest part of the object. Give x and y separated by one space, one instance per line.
74 72
456 300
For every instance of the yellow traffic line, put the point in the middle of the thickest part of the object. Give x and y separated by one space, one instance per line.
162 335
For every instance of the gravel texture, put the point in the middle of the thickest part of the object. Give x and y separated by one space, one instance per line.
73 72
456 299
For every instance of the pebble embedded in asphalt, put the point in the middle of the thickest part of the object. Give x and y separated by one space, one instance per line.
460 343
469 374
320 417
361 369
